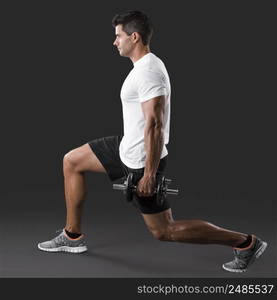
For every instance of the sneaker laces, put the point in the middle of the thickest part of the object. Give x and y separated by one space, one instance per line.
243 254
59 237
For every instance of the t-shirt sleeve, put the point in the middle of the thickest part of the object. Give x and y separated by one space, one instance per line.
150 85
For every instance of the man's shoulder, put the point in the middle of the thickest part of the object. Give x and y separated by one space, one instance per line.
149 73
153 60
153 65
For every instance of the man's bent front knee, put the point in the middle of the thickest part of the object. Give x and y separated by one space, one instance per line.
70 161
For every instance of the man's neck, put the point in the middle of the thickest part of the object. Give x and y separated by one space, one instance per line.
139 53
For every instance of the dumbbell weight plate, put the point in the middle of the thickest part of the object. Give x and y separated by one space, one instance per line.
129 190
160 190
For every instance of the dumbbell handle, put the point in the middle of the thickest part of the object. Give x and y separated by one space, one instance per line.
172 192
122 187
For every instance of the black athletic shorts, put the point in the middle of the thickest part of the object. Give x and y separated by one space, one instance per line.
107 151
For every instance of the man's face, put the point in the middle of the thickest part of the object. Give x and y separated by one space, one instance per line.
123 41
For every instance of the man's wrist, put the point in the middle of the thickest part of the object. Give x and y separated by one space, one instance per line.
149 175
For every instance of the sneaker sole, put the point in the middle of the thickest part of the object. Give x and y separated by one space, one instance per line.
65 249
257 254
233 270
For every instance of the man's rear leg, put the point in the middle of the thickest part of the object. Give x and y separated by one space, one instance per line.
163 227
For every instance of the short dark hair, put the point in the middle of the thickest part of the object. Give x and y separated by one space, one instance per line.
135 21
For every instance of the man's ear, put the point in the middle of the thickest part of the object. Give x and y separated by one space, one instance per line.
136 37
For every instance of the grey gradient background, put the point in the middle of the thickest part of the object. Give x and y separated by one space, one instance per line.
62 79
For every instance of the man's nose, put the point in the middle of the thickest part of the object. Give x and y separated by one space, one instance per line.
114 43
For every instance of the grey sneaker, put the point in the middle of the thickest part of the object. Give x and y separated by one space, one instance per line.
64 243
246 256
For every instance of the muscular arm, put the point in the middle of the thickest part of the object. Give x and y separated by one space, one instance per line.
153 111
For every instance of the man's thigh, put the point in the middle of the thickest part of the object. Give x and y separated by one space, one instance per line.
84 159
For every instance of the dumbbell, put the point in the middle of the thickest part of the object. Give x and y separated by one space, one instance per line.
161 190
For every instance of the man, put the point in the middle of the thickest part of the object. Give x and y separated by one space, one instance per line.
145 96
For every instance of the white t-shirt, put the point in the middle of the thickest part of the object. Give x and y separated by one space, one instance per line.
148 79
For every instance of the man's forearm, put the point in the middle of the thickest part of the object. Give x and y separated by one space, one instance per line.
154 141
